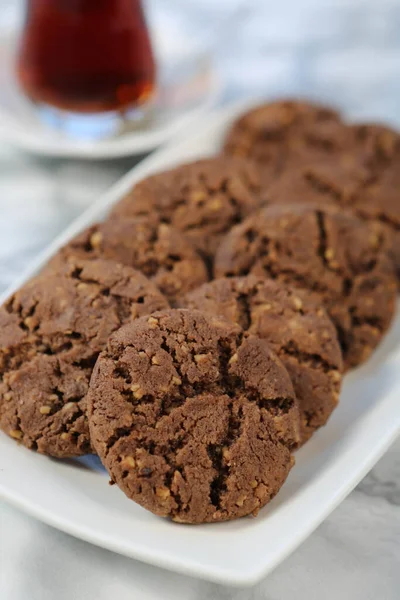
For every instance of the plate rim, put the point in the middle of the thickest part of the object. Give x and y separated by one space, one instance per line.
246 578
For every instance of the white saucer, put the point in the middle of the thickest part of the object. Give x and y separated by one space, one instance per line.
188 88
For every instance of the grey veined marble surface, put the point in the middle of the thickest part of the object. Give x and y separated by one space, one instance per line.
343 51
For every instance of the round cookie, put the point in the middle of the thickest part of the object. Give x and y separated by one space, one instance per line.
160 252
370 197
191 420
281 134
203 199
339 258
298 330
51 332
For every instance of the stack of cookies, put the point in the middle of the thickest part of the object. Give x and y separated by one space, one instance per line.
198 336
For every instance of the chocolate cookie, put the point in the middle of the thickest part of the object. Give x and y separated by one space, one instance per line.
202 199
354 188
380 203
335 255
160 252
282 134
323 183
298 330
377 147
191 420
51 332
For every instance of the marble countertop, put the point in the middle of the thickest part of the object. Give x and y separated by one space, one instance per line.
341 51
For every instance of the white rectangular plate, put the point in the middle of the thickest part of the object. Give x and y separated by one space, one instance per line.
74 496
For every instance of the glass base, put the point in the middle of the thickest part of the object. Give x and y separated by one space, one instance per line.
95 126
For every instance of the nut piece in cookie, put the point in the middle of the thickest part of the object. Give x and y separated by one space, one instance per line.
158 250
298 330
203 199
51 332
340 259
192 421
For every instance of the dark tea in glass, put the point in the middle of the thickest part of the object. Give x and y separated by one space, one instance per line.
86 56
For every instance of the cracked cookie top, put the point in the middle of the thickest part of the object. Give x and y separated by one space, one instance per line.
158 250
51 332
370 197
339 258
376 146
298 330
203 199
191 419
281 134
318 183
